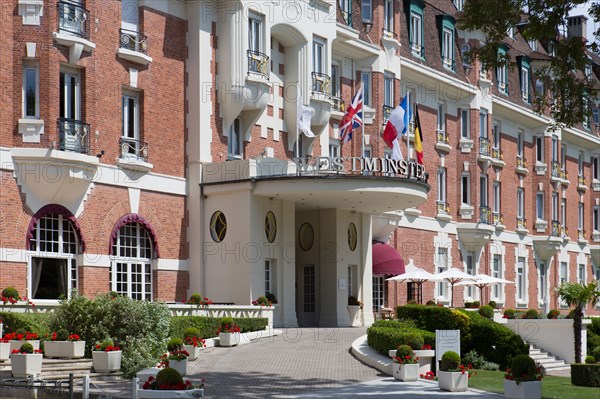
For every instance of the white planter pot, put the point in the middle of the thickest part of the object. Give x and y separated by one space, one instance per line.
453 381
64 349
522 390
160 394
106 362
425 360
405 372
24 365
179 365
4 351
14 344
194 352
354 312
229 339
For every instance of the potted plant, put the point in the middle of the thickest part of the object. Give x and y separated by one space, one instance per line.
26 361
21 336
168 384
452 376
199 301
106 356
229 333
64 345
193 343
4 349
523 379
405 366
262 301
553 314
425 356
177 357
354 307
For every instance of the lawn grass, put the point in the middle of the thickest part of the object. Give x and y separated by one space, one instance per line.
552 387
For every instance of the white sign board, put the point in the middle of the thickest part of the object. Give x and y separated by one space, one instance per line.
446 340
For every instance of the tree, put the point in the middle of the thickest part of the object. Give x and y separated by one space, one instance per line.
578 295
569 91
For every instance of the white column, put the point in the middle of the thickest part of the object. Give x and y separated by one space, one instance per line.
288 265
366 289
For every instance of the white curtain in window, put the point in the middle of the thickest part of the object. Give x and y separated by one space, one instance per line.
36 272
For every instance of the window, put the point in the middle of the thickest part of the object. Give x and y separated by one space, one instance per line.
539 86
542 283
464 123
539 205
539 149
442 265
532 44
554 149
496 134
366 10
268 277
255 42
497 291
448 48
596 116
520 135
334 148
581 273
596 218
70 96
130 17
563 156
349 281
470 269
580 164
520 281
502 73
388 15
465 55
131 268
459 4
563 212
554 206
564 273
388 90
496 194
318 55
366 79
378 293
130 141
587 70
465 189
441 185
235 147
73 18
441 118
416 32
483 123
31 91
520 202
580 216
595 161
483 190
510 32
525 84
335 81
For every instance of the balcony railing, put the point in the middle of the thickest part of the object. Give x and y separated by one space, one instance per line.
485 214
347 15
521 223
443 207
134 41
388 34
581 235
133 149
555 169
442 137
386 110
581 180
564 174
321 83
74 19
484 146
73 135
497 218
556 229
338 104
521 162
258 63
416 48
497 154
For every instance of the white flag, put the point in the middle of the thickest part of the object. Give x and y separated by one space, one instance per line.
305 114
396 152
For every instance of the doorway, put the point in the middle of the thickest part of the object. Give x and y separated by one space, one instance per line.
308 296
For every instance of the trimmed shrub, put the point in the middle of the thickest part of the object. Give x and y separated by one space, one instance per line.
32 322
168 376
175 344
382 339
493 304
531 314
596 353
262 301
208 326
403 351
433 318
411 302
26 348
589 359
476 304
553 314
10 292
524 367
62 335
510 314
191 332
585 375
450 361
195 299
486 311
394 323
413 340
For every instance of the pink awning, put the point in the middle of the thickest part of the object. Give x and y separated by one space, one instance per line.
55 209
386 260
133 218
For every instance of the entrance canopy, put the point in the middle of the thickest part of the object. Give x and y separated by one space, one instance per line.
386 260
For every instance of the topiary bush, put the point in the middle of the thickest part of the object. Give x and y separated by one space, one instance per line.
486 311
585 375
191 332
195 299
553 314
523 368
509 314
62 335
589 359
431 318
476 304
168 376
493 304
382 339
10 292
450 361
208 326
26 348
531 314
403 351
262 301
413 340
430 302
175 344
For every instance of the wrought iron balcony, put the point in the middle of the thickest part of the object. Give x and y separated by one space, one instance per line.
258 63
347 15
133 149
73 135
556 229
521 162
484 146
389 34
386 110
497 154
321 83
442 137
521 223
338 104
73 18
564 174
555 169
134 41
484 214
443 207
581 180
497 218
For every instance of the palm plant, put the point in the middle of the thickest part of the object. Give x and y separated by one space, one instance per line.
578 295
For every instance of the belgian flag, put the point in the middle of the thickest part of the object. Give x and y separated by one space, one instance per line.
418 137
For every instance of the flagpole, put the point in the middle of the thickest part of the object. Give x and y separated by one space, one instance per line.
409 111
362 125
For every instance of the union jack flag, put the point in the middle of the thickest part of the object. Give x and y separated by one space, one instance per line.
353 118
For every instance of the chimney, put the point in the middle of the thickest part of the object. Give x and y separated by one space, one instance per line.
577 26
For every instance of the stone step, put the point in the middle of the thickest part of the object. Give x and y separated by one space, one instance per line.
65 376
554 364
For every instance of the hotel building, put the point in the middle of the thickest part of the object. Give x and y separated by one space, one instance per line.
151 147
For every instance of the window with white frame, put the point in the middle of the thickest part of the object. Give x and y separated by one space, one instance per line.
335 81
470 269
442 263
563 277
563 156
563 212
483 190
496 134
318 54
53 267
520 202
581 273
70 95
596 218
498 289
580 216
334 148
31 91
554 205
532 44
502 74
388 15
539 149
255 35
465 49
596 116
539 205
366 10
525 84
520 137
587 70
554 149
268 277
542 282
464 124
586 113
483 124
365 77
378 293
520 283
448 48
350 282
595 161
131 266
416 33
441 185
441 117
388 90
130 133
235 147
496 193
465 188
580 164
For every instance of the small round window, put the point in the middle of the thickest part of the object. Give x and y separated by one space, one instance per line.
270 226
218 226
352 236
306 236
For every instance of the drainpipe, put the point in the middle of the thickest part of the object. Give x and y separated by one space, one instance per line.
202 245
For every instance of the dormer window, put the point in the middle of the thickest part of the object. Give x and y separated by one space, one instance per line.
502 72
533 44
525 78
446 26
416 28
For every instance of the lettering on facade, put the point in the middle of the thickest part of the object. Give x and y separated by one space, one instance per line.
384 167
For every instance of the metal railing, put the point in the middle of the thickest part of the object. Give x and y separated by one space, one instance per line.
388 34
484 146
386 110
338 104
497 153
73 135
321 83
442 137
258 63
443 207
132 148
74 19
521 162
521 223
497 218
347 15
564 174
556 229
134 41
581 180
484 214
555 169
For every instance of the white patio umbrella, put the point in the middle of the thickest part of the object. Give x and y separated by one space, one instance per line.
454 276
415 275
483 280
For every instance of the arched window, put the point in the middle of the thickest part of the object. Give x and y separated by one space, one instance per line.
131 266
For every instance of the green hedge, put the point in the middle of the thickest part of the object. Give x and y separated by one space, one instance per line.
585 375
384 337
208 326
593 334
32 322
433 318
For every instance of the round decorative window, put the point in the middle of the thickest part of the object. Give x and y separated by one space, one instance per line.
306 236
218 226
352 236
270 226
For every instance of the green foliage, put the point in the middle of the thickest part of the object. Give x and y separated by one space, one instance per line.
531 314
21 331
430 302
553 314
26 348
62 335
168 376
510 314
271 297
596 353
175 344
585 375
137 355
32 322
226 322
403 351
523 368
474 359
402 323
191 332
10 292
589 359
262 301
382 339
208 326
196 299
431 318
493 304
450 361
486 311
413 340
476 304
105 343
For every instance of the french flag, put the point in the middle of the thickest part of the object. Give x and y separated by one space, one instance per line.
397 125
352 119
